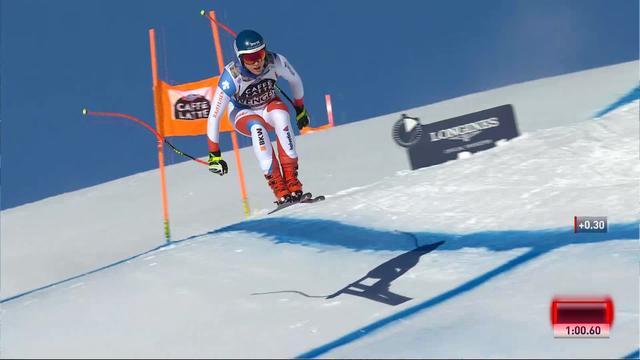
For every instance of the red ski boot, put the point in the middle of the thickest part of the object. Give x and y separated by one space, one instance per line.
291 180
278 186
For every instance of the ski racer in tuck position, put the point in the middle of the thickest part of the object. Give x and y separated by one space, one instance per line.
248 87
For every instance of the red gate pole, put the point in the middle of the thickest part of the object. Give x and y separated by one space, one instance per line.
158 110
234 137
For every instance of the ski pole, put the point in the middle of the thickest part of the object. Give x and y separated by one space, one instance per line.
287 96
179 152
225 27
159 137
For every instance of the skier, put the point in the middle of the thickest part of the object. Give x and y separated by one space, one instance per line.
247 85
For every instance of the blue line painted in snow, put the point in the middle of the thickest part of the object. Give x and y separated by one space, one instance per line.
81 275
633 355
89 272
367 330
316 232
325 232
629 97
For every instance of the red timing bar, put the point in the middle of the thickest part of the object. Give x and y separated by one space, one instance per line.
581 317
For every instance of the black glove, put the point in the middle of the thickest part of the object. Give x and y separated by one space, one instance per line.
302 117
216 164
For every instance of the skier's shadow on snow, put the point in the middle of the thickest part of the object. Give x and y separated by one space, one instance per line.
375 284
320 232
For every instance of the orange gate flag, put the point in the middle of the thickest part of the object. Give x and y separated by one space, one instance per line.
186 107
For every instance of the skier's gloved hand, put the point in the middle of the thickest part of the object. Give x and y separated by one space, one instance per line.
302 117
216 164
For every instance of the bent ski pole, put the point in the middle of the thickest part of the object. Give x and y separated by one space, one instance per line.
159 137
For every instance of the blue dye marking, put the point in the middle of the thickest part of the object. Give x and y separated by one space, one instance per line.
633 355
629 97
326 232
89 272
366 330
81 275
313 232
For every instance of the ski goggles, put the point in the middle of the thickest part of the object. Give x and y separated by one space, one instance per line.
253 58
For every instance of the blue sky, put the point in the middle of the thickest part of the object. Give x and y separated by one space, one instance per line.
61 56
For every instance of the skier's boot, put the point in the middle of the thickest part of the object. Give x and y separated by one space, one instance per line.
294 185
279 187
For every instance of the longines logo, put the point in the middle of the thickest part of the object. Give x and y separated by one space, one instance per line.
464 132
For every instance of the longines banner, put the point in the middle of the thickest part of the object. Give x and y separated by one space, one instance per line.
442 141
186 107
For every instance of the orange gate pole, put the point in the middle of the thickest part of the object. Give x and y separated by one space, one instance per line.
163 182
234 137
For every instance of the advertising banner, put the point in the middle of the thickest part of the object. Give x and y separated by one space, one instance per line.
186 107
442 141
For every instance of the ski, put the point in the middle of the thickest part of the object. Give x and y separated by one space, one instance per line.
313 199
306 198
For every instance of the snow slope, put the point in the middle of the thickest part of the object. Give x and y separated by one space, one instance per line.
486 242
90 228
